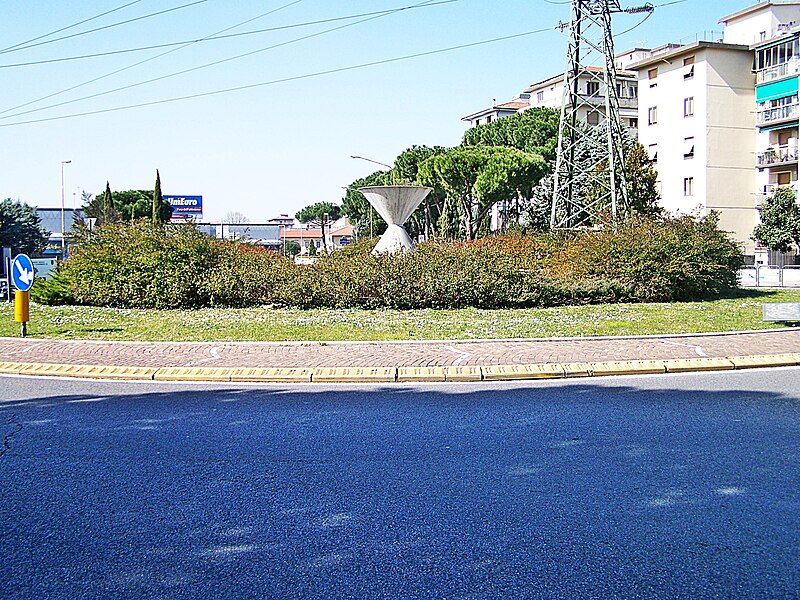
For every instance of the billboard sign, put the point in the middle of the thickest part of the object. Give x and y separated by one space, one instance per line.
186 208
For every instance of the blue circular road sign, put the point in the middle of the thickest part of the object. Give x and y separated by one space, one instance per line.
22 272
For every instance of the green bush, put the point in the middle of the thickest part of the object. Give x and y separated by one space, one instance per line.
139 265
655 260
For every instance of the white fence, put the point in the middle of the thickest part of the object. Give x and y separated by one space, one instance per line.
770 276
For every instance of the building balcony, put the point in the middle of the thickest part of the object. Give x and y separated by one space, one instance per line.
775 115
776 155
778 72
769 191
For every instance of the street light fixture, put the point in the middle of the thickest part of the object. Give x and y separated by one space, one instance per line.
372 161
63 240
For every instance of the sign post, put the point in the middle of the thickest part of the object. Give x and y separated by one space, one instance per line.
6 254
22 276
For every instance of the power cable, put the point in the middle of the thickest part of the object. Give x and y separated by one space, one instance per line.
210 38
305 76
36 39
110 26
284 80
141 62
215 63
639 24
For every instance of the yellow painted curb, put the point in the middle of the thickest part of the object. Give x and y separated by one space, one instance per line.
11 368
353 374
401 374
287 375
775 360
83 371
408 374
193 374
517 372
577 369
627 367
462 374
121 373
698 364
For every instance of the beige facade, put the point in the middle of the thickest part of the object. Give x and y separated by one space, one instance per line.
696 119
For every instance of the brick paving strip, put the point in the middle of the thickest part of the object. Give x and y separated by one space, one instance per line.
478 353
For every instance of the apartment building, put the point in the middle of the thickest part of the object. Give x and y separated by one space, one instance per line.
777 64
720 116
549 93
698 124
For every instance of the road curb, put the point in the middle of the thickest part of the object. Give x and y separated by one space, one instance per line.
400 374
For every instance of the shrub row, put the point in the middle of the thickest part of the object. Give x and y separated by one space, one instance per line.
137 265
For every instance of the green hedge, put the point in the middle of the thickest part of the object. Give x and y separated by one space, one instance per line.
138 265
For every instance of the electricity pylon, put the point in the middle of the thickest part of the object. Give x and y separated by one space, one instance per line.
589 174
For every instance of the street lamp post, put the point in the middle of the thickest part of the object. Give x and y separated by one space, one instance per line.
377 163
324 241
63 240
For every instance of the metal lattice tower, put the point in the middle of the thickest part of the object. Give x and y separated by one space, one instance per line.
589 174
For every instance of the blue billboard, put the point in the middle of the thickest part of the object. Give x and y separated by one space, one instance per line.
186 208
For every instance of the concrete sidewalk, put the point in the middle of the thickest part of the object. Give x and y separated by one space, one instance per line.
398 361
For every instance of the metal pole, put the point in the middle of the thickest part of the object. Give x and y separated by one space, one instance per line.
63 241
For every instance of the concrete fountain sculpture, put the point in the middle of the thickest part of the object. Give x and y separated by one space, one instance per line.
395 203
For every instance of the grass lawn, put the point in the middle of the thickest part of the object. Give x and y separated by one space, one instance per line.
281 324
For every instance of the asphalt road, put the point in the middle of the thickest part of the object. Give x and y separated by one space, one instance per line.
652 487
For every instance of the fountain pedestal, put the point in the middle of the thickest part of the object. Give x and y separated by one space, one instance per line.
395 203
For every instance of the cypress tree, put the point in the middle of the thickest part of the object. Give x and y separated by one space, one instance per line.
158 200
106 206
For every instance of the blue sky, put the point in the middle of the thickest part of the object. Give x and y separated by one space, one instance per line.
273 148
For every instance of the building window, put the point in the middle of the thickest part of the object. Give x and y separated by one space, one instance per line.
688 106
592 88
784 178
539 97
652 74
593 118
652 115
653 152
488 119
688 64
688 186
633 123
778 54
688 148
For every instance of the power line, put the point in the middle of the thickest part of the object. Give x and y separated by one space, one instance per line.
283 80
108 12
215 63
299 77
210 38
639 24
88 31
136 64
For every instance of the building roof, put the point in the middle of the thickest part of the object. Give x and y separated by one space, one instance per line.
674 52
51 218
758 7
345 231
560 77
296 234
510 107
